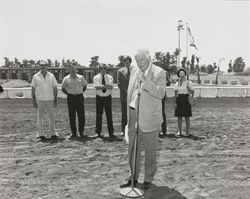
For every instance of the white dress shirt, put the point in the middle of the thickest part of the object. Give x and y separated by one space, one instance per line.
97 81
182 89
44 87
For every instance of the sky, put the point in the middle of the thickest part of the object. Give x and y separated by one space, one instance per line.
81 29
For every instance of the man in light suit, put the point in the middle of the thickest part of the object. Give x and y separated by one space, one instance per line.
146 90
123 75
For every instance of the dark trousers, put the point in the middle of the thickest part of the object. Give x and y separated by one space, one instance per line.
76 105
164 123
106 104
124 115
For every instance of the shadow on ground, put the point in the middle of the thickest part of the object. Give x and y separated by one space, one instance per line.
190 136
162 192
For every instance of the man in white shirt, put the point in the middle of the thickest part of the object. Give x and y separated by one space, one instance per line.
74 85
103 83
44 97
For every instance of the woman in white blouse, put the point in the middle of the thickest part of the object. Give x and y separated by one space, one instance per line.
182 89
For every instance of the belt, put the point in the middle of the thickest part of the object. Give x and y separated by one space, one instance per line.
75 95
132 108
103 96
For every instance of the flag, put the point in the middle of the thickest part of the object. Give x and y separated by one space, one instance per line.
191 39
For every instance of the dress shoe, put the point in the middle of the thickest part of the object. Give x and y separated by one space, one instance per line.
162 135
99 135
54 137
178 134
128 184
42 138
73 137
147 185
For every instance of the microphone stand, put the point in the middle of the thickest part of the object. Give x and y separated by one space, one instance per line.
134 192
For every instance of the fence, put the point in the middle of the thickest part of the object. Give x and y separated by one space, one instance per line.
59 73
200 91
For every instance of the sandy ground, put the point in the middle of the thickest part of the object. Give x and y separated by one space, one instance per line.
216 166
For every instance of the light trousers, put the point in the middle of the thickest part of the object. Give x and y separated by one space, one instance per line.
150 141
44 106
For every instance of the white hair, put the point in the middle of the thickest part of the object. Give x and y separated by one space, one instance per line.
143 52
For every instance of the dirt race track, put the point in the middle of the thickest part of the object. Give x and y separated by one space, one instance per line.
215 166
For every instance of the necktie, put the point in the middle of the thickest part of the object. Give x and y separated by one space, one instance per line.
103 82
128 74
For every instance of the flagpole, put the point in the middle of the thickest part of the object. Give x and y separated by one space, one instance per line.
187 50
179 28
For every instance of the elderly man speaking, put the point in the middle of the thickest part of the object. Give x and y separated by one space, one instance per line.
146 89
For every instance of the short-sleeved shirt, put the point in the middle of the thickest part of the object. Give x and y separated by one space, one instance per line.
44 87
182 89
73 85
97 81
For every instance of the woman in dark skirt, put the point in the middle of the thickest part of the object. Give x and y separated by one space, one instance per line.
182 89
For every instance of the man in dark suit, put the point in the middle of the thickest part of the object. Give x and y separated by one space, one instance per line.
123 75
164 123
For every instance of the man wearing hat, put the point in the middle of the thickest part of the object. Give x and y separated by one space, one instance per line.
44 97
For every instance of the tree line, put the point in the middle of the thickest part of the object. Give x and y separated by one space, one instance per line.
167 61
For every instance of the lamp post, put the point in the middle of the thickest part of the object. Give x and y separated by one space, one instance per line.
179 28
198 69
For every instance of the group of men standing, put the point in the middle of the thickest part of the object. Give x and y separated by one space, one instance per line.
142 91
44 96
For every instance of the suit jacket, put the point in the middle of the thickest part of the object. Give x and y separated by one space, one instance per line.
150 104
122 82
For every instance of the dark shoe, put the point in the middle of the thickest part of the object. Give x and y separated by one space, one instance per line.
73 137
84 137
115 138
54 137
178 134
162 135
128 184
42 138
98 134
147 185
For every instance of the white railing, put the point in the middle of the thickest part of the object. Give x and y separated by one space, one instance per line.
200 91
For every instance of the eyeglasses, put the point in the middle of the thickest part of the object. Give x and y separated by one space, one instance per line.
102 68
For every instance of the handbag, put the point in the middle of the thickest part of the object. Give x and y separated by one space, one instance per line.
191 98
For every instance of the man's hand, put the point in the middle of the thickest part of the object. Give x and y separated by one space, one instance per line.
142 77
107 86
55 103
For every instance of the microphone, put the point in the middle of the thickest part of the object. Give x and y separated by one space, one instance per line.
140 87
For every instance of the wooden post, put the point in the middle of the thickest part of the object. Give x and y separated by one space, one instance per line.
217 92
